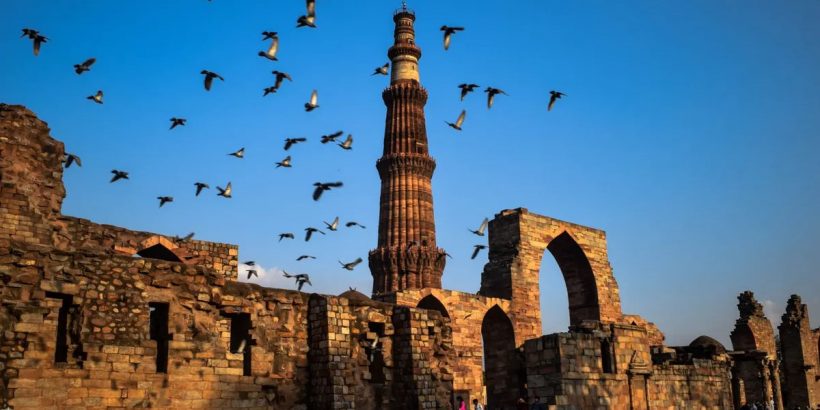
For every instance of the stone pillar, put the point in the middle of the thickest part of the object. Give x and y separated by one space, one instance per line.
799 355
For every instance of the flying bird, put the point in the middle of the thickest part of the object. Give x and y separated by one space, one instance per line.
554 96
84 66
333 226
324 186
200 186
164 199
491 93
268 90
289 142
348 143
249 263
118 175
209 78
285 163
477 249
226 192
448 32
300 278
270 54
36 37
70 159
459 121
303 257
175 122
331 137
309 232
285 235
269 35
97 98
280 77
185 238
466 89
252 272
309 19
481 228
350 265
240 153
381 70
354 223
313 103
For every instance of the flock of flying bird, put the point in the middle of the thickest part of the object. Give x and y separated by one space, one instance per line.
306 20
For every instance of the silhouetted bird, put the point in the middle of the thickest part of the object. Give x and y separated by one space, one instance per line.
97 98
303 257
249 263
226 192
280 77
554 96
321 187
309 232
448 32
459 121
348 143
309 19
270 53
269 35
481 228
164 199
491 93
84 66
331 137
118 175
252 272
354 223
301 279
313 103
185 238
70 159
36 37
285 235
240 153
200 186
268 90
477 249
466 89
209 78
285 163
175 122
381 70
289 142
350 265
333 226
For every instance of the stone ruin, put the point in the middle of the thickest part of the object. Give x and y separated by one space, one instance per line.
99 317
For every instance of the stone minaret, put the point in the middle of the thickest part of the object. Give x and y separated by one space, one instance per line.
406 256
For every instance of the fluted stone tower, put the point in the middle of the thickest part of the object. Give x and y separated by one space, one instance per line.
407 256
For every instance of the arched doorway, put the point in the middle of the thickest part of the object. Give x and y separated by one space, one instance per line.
503 370
432 303
582 292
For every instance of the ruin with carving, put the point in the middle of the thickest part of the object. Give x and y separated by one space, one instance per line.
84 324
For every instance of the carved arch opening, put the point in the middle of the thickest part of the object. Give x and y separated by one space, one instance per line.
582 291
431 302
503 369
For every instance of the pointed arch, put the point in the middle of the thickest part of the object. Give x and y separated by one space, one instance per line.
432 303
503 369
157 247
582 291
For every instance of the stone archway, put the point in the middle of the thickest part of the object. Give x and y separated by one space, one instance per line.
432 303
157 247
582 293
503 370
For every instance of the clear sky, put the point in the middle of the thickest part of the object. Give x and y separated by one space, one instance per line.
690 133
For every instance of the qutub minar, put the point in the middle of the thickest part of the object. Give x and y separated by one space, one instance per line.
96 316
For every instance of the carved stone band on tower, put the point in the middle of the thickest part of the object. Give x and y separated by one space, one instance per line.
407 256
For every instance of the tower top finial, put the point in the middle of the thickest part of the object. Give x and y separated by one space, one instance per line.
404 5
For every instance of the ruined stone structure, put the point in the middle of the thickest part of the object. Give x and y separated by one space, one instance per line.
95 316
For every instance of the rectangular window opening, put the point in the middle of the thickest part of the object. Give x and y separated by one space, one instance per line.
606 357
158 331
61 351
241 339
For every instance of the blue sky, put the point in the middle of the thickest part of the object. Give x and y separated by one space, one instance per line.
690 133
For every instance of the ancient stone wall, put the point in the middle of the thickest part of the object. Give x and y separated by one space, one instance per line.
798 356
